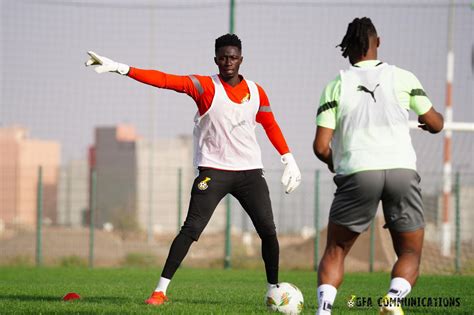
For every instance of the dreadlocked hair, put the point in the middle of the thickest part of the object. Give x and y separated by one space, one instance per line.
228 40
356 41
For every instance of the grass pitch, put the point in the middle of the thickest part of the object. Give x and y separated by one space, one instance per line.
29 290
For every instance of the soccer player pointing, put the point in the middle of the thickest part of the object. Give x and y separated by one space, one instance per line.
226 151
363 136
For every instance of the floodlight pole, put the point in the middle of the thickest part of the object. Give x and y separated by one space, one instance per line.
151 145
447 167
92 213
316 220
180 192
457 198
228 236
39 218
228 224
372 246
232 16
68 219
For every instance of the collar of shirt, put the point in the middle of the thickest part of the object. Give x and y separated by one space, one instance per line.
241 84
367 63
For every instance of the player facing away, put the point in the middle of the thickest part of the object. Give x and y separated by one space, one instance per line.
363 136
226 151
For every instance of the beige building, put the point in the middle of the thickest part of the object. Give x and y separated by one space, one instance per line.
73 193
20 158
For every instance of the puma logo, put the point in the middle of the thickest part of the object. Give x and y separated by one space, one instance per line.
366 90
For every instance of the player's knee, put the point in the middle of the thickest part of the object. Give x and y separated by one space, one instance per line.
193 230
338 249
265 231
191 234
414 253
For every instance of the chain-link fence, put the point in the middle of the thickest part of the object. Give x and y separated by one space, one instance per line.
119 235
57 114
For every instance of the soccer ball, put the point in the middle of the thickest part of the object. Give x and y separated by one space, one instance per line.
285 298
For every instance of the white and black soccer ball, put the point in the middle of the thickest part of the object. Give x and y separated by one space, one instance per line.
285 298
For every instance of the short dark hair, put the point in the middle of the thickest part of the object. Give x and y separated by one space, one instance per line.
228 40
356 41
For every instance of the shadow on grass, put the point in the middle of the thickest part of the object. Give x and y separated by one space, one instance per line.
207 302
53 298
194 301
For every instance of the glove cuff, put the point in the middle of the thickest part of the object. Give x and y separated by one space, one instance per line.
287 158
123 69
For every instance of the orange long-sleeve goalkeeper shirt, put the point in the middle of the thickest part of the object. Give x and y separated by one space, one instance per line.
201 89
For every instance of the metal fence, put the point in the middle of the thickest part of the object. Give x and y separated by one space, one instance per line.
72 238
53 110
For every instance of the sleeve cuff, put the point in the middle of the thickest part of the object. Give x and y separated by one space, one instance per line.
326 125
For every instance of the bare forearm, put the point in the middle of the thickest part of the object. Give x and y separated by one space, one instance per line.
322 146
325 156
432 121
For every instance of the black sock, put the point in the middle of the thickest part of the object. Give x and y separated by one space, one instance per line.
270 254
178 250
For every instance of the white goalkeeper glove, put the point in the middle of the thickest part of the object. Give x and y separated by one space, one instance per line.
291 175
105 64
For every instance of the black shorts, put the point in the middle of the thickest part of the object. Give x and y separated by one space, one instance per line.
248 187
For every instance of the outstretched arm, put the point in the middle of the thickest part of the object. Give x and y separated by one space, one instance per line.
182 84
104 64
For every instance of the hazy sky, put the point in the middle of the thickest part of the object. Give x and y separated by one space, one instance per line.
288 48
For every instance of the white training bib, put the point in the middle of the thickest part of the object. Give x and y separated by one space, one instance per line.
224 136
372 130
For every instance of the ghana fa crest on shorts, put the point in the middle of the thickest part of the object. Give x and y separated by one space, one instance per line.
203 184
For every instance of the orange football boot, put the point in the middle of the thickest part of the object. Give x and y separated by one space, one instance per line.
157 298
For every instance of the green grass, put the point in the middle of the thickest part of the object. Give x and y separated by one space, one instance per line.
28 290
